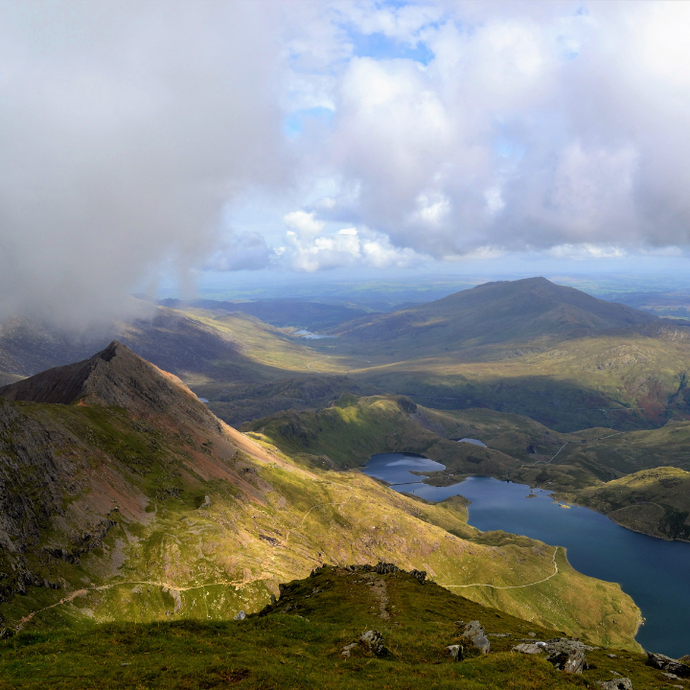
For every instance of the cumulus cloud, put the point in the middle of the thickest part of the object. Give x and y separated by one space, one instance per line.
124 129
532 125
448 128
346 247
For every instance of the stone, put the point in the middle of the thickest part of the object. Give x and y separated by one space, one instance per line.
240 616
616 684
666 663
206 503
455 651
527 648
347 649
373 642
476 637
672 676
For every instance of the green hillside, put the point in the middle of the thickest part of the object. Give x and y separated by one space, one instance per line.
127 500
298 642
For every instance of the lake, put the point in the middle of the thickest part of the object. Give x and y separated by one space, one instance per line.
655 573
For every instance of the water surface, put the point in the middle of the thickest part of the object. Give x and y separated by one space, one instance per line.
655 573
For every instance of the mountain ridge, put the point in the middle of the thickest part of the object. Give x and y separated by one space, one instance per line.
493 313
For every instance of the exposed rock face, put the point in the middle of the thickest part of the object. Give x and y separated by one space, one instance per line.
666 663
474 636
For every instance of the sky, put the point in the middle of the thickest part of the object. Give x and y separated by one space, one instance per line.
144 143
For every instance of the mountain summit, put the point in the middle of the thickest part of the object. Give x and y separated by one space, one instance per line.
115 377
519 311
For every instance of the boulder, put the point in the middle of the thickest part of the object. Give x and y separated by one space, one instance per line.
206 503
569 661
240 616
616 684
666 663
474 636
373 642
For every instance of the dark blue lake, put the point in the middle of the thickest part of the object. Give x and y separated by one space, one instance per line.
655 573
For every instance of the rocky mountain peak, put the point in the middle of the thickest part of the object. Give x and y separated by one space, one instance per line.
117 377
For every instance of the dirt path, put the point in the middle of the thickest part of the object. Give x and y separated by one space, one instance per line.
175 588
530 584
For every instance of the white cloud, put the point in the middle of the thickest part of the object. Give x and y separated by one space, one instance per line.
303 223
346 247
581 252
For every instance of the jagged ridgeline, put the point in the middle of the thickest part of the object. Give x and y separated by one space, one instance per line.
122 498
356 626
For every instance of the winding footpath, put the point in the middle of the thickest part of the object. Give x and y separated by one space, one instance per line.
547 462
529 584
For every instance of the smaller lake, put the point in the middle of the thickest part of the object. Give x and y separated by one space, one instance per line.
475 441
397 468
308 335
655 573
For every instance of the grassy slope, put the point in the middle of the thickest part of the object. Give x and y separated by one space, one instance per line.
301 649
270 520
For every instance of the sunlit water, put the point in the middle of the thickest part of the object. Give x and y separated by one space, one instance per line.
655 573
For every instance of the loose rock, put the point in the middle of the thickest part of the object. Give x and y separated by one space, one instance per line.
240 616
527 648
616 684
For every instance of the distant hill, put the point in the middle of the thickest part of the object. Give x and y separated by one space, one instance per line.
230 348
521 311
314 316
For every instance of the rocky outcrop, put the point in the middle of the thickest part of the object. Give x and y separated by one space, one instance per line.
666 663
473 636
565 654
